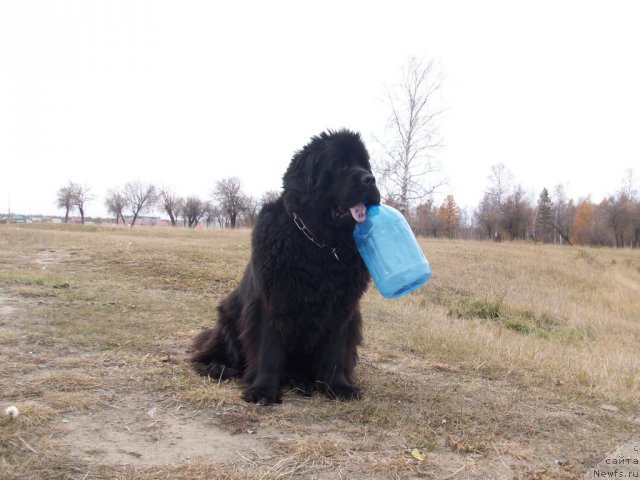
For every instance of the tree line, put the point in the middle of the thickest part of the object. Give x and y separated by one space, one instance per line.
228 206
508 212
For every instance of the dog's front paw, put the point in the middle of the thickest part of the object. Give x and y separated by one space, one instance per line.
343 392
262 394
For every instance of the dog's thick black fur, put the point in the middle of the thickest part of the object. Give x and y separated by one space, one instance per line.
294 319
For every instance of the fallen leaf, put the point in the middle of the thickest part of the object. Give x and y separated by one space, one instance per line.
417 454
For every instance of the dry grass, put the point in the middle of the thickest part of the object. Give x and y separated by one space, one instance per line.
557 315
496 369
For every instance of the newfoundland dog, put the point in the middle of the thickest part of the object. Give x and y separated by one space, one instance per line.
294 319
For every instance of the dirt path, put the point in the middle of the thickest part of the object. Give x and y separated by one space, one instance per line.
137 430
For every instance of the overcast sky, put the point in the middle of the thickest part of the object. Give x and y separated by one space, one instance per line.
185 93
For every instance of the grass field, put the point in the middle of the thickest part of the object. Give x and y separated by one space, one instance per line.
514 361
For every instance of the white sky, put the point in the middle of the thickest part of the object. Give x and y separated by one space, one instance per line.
184 93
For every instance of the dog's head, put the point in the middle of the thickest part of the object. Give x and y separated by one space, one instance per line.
330 176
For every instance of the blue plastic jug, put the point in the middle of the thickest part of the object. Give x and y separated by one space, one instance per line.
390 251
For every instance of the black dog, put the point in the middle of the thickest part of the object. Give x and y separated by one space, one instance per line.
294 319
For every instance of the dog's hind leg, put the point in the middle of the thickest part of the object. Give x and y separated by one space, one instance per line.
217 351
213 357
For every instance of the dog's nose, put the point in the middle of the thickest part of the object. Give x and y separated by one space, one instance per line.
369 179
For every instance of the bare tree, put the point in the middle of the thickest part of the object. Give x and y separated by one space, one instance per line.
409 156
214 214
140 198
500 183
487 218
631 191
618 209
563 216
193 210
516 214
171 203
81 194
230 198
630 186
64 199
251 209
116 202
490 214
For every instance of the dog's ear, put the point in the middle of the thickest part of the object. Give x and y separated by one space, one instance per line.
299 176
298 182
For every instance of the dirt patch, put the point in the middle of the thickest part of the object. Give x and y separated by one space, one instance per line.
623 462
46 257
141 431
7 306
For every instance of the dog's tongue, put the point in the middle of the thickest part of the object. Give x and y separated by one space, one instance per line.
359 212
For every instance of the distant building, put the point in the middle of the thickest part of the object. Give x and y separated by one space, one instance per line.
15 219
144 220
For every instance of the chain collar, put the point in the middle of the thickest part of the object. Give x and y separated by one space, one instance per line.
309 234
